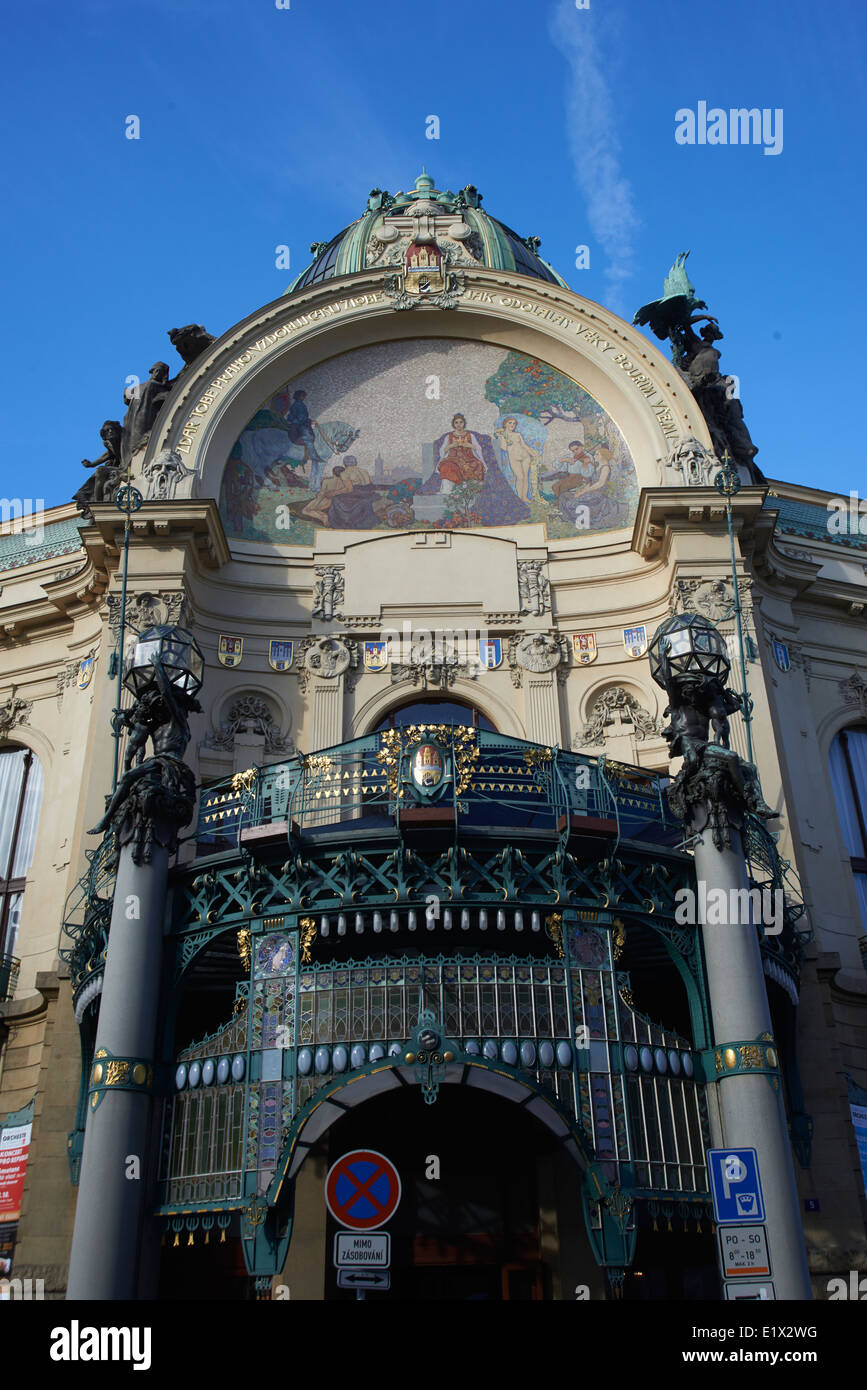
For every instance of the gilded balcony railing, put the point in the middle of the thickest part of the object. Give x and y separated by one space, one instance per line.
481 780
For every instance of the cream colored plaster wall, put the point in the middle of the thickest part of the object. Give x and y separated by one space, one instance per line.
57 730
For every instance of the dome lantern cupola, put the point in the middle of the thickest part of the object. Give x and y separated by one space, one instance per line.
468 236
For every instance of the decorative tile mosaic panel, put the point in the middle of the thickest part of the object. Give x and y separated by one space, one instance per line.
428 434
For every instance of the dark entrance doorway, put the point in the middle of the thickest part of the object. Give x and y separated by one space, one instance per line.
472 1233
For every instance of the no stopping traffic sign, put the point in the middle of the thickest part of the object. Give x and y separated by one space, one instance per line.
362 1190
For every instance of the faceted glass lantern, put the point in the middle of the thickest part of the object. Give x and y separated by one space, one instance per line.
179 654
695 648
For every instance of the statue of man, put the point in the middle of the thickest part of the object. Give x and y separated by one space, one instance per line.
694 703
143 406
159 713
100 488
722 411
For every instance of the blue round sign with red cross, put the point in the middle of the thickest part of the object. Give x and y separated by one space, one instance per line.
362 1190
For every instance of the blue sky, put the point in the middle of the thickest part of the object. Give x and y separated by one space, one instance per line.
263 126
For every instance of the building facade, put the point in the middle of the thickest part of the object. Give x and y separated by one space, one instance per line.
422 515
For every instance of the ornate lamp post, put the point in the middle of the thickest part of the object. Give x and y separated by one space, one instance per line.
163 670
712 792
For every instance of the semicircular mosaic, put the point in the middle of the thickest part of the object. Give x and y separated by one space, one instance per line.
431 434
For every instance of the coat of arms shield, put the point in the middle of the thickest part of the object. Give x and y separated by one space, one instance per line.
490 652
280 654
230 650
584 647
635 640
375 656
781 654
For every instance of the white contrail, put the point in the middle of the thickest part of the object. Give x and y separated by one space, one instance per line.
594 147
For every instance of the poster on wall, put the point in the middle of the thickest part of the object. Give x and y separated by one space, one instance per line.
430 434
14 1148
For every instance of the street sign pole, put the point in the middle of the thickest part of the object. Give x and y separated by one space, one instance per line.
742 1249
362 1192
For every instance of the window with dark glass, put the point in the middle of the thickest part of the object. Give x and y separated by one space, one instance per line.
20 799
434 712
848 761
526 262
323 267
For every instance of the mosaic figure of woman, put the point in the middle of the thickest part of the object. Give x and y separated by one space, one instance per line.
460 460
597 504
463 455
521 456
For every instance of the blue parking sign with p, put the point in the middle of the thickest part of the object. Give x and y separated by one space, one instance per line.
735 1185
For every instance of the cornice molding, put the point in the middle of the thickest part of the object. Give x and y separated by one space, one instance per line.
780 564
191 520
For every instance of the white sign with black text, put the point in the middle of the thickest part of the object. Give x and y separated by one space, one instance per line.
744 1251
354 1249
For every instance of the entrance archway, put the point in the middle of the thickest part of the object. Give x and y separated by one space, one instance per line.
490 1207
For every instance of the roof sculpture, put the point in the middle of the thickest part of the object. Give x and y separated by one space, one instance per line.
391 222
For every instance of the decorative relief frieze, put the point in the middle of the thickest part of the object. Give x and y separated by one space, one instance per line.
163 474
14 711
615 711
854 691
436 664
538 652
249 714
689 464
328 657
328 592
712 597
149 609
65 678
533 587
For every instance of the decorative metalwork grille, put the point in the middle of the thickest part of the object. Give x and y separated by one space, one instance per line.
205 1145
572 1034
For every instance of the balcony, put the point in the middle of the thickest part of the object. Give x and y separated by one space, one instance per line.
9 969
441 781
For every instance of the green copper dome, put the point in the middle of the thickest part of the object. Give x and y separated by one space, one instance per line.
488 241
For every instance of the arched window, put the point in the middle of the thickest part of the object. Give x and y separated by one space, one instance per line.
849 778
434 711
20 799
